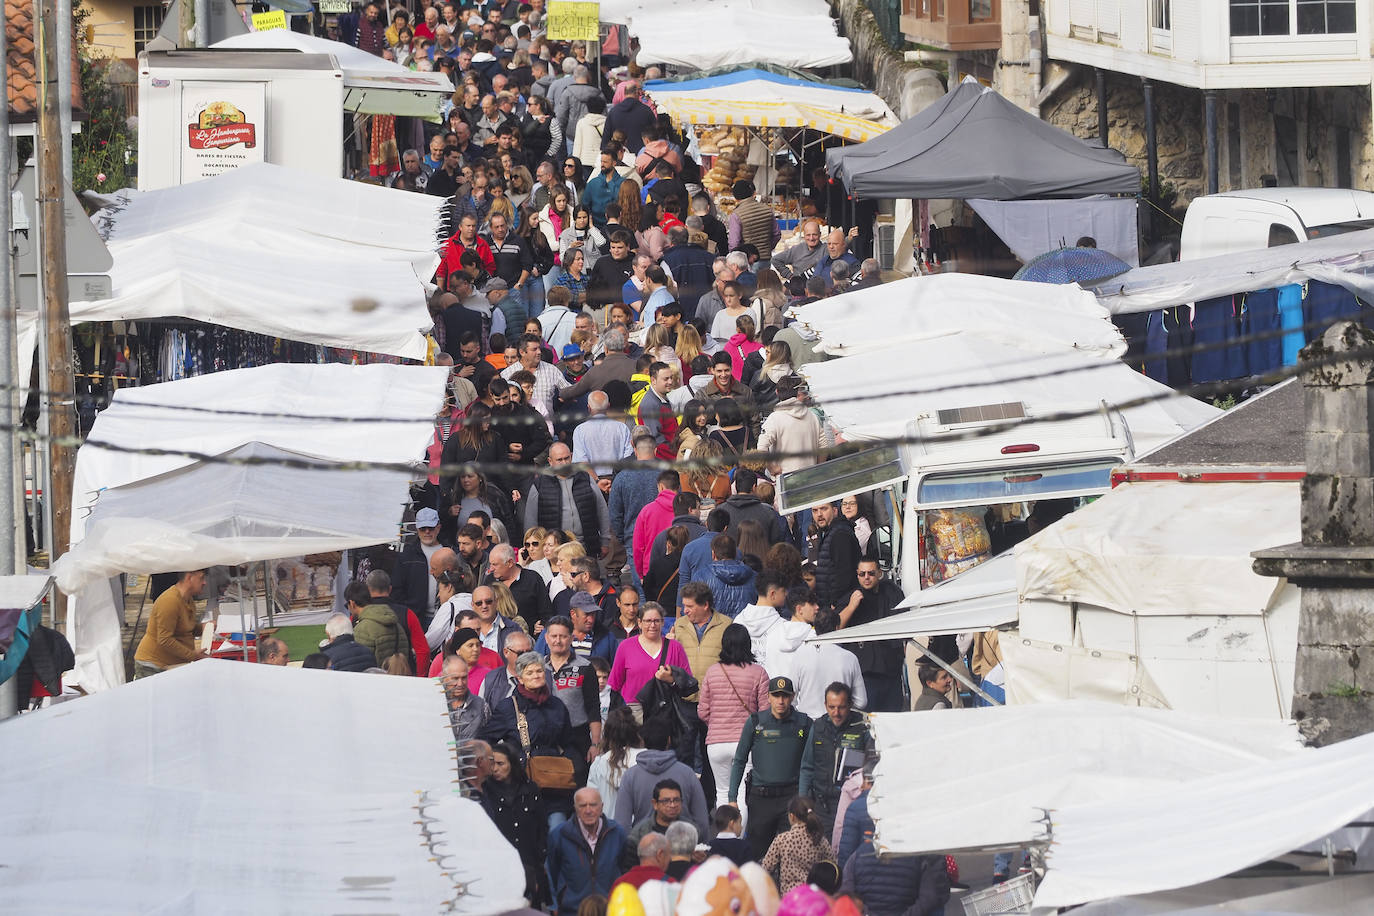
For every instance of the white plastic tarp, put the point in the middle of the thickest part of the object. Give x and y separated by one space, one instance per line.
224 787
877 393
1033 227
1164 549
1346 260
371 85
1028 315
1206 828
379 414
816 95
738 32
981 598
22 592
1029 758
224 514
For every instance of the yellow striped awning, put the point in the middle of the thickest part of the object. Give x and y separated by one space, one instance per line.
771 114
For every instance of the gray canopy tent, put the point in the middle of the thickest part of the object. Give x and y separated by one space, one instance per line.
972 143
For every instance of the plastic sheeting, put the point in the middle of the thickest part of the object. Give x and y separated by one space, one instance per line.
1033 227
380 414
212 514
224 787
371 85
1164 549
22 592
1035 316
1029 758
1206 828
1346 260
978 599
278 252
783 32
752 84
877 393
979 144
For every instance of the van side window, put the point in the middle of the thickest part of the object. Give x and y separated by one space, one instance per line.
1279 234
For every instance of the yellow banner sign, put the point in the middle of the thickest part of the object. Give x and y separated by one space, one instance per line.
572 20
274 19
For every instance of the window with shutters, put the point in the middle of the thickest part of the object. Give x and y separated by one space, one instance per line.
147 23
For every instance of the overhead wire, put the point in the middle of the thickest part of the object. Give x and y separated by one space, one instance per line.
575 416
750 456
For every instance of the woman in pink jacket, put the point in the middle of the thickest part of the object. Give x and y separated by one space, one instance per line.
733 689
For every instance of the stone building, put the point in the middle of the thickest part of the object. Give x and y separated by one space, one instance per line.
1243 92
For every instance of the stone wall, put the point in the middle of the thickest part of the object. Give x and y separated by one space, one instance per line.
1320 117
905 86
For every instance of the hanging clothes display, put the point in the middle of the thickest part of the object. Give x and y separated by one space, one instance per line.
1290 318
1215 323
383 157
1326 304
1168 330
1260 325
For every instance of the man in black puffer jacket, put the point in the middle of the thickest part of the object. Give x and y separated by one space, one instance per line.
836 556
345 653
896 887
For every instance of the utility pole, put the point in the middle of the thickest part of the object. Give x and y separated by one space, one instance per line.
10 512
57 400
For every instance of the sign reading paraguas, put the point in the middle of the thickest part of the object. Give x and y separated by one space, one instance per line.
570 20
224 127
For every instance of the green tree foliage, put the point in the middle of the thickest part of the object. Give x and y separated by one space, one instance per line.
105 152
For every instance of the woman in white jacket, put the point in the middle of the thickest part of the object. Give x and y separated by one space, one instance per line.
793 430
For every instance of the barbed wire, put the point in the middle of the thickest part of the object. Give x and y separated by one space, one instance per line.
752 456
500 421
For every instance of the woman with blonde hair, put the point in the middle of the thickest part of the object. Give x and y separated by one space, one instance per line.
562 566
708 478
500 204
770 298
658 343
505 603
687 348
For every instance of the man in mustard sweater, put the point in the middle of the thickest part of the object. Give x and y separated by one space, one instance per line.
173 626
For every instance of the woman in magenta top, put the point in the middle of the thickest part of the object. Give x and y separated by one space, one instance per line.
636 659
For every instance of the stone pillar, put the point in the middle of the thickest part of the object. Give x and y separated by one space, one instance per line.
1333 690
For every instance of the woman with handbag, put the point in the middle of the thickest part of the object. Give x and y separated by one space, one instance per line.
518 813
660 582
535 720
647 656
733 688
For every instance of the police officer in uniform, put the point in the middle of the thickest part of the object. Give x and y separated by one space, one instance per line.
838 745
776 738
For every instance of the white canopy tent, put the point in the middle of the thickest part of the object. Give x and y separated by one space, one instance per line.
981 598
877 393
1147 596
225 787
371 85
762 86
1205 828
274 251
789 33
1346 260
1044 756
378 414
23 591
1039 317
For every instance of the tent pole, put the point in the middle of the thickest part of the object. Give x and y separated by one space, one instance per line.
243 626
957 675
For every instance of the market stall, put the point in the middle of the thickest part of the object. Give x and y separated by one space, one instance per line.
372 85
760 124
231 788
332 415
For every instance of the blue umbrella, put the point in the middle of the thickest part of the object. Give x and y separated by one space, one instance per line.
1072 265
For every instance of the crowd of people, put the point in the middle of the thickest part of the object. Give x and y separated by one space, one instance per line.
623 643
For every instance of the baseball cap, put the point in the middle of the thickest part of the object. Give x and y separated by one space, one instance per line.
572 351
584 602
781 686
427 518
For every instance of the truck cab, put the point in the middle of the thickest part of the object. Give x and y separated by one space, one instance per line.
963 484
1218 224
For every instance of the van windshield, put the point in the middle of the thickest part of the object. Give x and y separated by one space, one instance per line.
1005 485
1354 225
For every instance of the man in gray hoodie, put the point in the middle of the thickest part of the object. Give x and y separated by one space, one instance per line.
571 103
658 762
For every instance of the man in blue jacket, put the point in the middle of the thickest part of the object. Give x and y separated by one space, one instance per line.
584 853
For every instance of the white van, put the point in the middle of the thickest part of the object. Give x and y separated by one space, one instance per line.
1264 217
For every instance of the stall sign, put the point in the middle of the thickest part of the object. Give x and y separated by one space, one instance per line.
272 19
224 124
570 20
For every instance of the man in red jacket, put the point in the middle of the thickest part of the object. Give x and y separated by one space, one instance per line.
654 413
465 239
654 856
655 517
